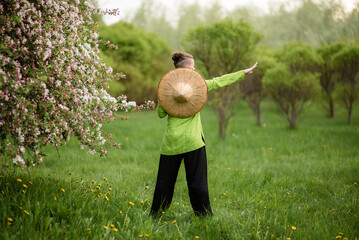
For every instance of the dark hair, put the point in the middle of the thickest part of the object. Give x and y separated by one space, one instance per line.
181 59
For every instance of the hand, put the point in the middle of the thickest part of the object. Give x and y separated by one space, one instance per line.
250 70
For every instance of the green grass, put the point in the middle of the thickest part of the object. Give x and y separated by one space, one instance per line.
262 182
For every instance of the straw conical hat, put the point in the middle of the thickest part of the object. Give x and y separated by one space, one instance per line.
182 92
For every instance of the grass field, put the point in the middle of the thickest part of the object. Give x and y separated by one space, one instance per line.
264 183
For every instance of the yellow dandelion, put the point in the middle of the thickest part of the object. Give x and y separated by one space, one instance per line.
105 179
98 187
88 229
26 212
225 194
70 173
163 212
146 187
288 238
92 181
24 185
99 184
267 227
288 193
131 203
3 193
355 183
112 226
272 236
110 189
55 198
293 228
254 228
174 221
98 196
89 186
142 202
120 212
166 222
338 237
19 180
196 237
228 169
105 227
333 209
1 176
270 149
63 190
30 182
345 238
77 181
140 236
10 220
108 193
91 190
340 233
107 198
23 191
115 230
146 235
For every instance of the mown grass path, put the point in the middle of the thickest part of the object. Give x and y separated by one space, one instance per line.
265 183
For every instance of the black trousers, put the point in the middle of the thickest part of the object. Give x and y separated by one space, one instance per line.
196 175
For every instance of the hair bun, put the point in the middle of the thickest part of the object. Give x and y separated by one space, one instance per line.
175 58
178 57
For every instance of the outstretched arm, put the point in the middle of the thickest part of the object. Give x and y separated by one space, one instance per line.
228 79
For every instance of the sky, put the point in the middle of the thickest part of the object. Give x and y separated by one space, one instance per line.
128 7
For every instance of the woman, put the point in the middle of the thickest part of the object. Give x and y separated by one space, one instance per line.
184 139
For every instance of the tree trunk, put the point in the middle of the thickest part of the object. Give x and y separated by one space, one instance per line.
331 107
350 109
221 128
293 118
222 124
259 122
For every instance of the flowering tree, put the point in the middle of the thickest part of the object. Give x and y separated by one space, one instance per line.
52 82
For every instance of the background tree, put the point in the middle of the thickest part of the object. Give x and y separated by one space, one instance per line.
294 80
251 88
144 58
346 62
309 21
151 17
221 48
328 76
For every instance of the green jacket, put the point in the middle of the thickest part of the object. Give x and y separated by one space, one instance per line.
185 134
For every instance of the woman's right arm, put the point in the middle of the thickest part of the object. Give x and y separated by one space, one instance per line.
229 79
